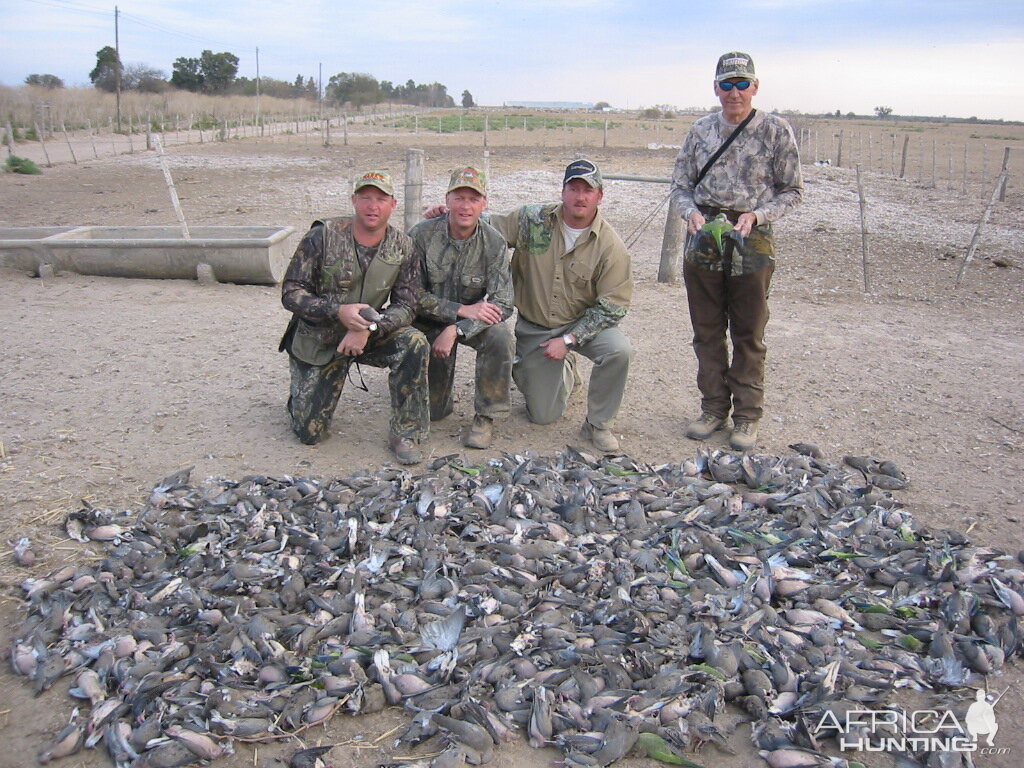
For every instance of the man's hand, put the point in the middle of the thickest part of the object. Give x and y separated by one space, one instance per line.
434 211
695 222
348 315
483 311
554 349
353 343
445 342
745 223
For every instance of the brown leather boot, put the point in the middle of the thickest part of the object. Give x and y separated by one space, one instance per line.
405 449
479 434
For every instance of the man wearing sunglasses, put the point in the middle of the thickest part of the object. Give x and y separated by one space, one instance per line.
753 181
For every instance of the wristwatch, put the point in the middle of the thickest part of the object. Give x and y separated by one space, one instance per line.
568 340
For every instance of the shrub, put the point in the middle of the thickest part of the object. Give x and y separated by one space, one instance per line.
17 164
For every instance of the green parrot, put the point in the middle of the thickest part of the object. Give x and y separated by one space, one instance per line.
718 227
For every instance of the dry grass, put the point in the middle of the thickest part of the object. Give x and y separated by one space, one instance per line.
79 108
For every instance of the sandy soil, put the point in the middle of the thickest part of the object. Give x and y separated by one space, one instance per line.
107 385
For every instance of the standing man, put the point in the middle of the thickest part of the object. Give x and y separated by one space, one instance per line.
573 284
753 182
341 266
467 298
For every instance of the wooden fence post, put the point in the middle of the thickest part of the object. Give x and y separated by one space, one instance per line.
413 187
10 138
1004 172
903 156
863 231
39 135
996 191
170 188
67 138
92 138
668 268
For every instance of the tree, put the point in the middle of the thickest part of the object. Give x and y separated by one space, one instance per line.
210 73
185 74
467 99
883 112
44 81
602 105
219 70
144 78
355 88
108 67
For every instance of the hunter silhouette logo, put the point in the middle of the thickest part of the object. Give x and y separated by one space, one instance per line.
981 718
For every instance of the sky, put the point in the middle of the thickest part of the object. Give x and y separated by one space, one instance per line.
954 58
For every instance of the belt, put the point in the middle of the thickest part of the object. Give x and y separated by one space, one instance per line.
710 211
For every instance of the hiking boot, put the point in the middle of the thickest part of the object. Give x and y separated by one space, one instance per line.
479 435
744 435
602 438
405 449
704 426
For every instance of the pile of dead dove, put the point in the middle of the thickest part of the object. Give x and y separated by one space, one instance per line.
596 605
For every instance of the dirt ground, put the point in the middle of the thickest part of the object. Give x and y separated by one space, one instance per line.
107 385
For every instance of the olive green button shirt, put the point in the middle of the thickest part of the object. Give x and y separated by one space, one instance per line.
589 286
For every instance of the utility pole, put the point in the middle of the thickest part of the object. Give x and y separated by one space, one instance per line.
258 121
320 92
117 69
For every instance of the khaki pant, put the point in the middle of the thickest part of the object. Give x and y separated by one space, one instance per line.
546 384
737 304
316 389
492 378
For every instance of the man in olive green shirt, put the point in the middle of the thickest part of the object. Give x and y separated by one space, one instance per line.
573 284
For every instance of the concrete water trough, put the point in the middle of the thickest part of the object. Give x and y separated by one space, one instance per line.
239 254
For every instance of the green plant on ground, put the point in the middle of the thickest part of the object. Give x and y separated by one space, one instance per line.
17 164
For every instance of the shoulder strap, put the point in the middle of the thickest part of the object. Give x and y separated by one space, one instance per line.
725 145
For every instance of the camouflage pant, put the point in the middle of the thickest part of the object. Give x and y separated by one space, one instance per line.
493 374
316 389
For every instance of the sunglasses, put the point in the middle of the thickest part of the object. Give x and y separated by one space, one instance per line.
742 85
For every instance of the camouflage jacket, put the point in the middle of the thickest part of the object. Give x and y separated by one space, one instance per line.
759 172
458 272
319 278
589 286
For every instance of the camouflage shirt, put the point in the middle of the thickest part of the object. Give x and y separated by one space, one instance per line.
317 281
759 172
590 285
460 272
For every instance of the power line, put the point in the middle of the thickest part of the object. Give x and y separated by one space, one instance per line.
78 7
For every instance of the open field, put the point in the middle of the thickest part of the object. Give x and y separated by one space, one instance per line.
109 385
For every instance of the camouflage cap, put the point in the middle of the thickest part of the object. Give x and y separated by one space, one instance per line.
583 169
734 64
378 179
470 177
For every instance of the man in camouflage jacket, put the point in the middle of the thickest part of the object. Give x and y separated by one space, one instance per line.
754 182
344 265
466 299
